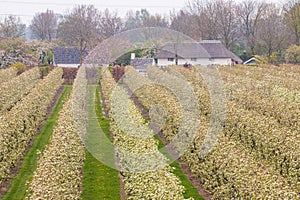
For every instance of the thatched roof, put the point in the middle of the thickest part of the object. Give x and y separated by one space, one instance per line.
203 49
216 49
183 50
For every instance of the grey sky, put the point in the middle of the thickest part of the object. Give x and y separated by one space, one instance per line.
27 8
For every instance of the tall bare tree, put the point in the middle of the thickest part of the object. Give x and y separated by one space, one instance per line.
250 13
110 24
44 25
80 27
185 23
292 16
143 18
228 21
272 31
12 27
206 17
215 20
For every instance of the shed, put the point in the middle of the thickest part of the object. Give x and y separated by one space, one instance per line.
67 56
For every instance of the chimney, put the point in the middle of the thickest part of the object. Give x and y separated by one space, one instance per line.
132 56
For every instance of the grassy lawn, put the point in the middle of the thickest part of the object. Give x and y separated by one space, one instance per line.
99 181
17 189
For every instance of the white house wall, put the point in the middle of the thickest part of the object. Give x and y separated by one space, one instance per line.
221 61
68 65
199 61
165 62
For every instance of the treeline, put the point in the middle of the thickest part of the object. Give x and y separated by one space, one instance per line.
247 27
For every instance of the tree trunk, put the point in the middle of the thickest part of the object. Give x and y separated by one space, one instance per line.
269 56
81 52
297 36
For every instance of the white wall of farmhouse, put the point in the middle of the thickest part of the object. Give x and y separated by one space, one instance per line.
165 62
198 61
221 61
68 65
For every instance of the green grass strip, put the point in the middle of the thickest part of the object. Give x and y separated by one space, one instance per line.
99 180
190 190
17 189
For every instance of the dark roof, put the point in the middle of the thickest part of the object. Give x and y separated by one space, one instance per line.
236 58
67 55
141 62
183 50
166 54
216 49
203 49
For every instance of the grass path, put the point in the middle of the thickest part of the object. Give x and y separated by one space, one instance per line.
17 189
99 181
190 190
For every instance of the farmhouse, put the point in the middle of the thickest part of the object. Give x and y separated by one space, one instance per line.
206 52
67 56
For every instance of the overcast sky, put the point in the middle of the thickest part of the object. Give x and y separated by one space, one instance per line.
27 8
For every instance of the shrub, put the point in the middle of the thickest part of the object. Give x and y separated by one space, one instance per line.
69 75
45 70
293 54
20 66
16 50
118 72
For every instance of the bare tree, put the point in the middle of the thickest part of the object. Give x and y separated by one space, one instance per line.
292 17
80 27
210 20
206 17
228 21
44 25
12 27
143 18
110 24
215 20
250 13
131 21
157 20
272 31
185 23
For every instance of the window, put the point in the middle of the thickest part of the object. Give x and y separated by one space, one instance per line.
171 59
194 59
